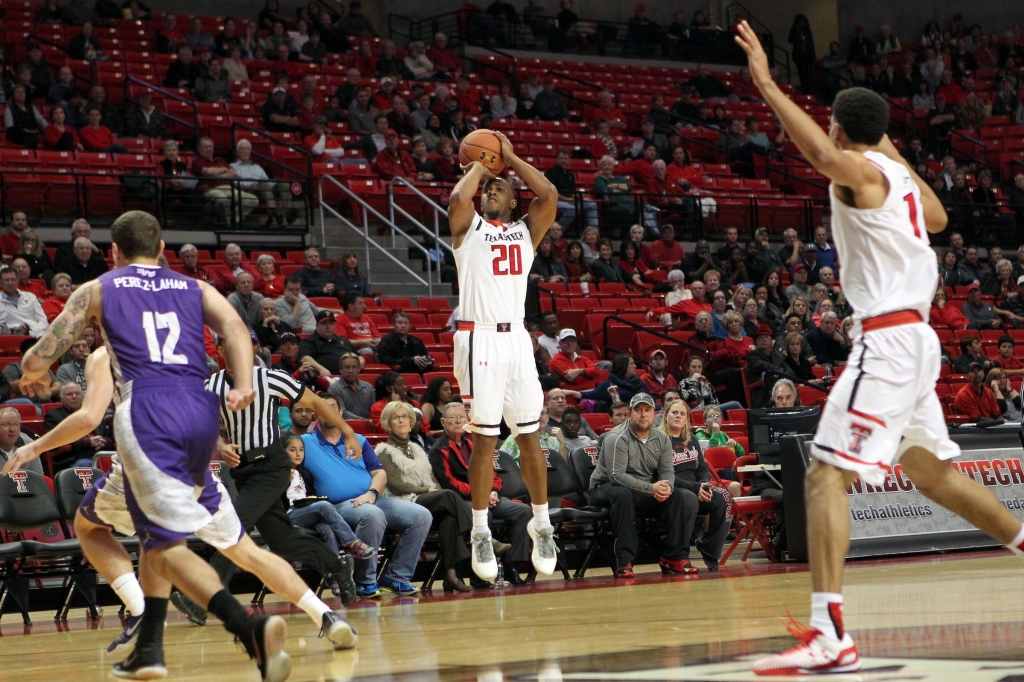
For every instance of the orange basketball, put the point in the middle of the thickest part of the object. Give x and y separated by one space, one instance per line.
483 146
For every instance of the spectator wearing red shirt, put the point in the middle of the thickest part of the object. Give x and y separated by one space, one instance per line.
682 172
390 387
606 110
393 162
224 274
725 362
25 281
61 137
950 90
744 88
322 142
383 99
572 368
656 378
469 100
190 266
443 57
667 193
976 400
10 242
99 138
642 169
666 252
54 304
946 316
736 339
356 326
1012 365
690 307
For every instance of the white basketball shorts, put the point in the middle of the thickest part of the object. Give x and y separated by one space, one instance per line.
497 377
885 403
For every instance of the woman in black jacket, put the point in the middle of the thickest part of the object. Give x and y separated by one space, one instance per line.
802 40
797 361
606 267
546 266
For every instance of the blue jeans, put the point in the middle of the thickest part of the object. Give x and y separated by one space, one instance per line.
371 520
326 521
568 216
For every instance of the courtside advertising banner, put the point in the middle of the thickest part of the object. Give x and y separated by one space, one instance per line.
897 509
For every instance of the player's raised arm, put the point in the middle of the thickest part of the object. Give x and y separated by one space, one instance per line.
223 319
78 424
842 168
461 209
79 311
935 218
544 207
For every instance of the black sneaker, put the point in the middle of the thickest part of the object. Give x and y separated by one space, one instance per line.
345 587
193 611
264 642
338 631
145 664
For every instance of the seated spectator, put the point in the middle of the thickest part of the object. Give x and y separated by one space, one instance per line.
417 63
981 315
224 273
182 72
269 327
61 92
60 137
316 281
1008 400
224 200
25 281
87 264
323 346
549 105
946 316
169 38
392 162
976 400
81 452
693 481
30 248
564 180
294 309
695 264
606 267
190 266
99 138
390 387
22 121
571 367
11 439
356 487
73 370
634 474
356 326
85 45
1011 364
246 302
707 84
712 432
255 182
444 58
409 477
53 304
347 277
449 459
827 343
212 85
970 349
279 112
322 142
556 404
572 424
735 336
622 383
143 119
666 252
355 396
436 396
402 351
234 65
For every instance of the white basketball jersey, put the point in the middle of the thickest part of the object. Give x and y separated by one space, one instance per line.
887 264
494 262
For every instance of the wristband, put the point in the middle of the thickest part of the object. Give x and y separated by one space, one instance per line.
376 495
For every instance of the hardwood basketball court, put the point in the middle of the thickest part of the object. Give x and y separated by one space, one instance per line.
956 617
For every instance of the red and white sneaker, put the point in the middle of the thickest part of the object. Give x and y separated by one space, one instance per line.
815 655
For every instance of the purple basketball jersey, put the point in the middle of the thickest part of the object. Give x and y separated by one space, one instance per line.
153 324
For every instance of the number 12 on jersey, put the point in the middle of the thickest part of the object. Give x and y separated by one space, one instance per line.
509 260
914 214
150 323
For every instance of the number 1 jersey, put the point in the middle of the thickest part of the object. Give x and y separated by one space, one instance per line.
153 325
494 262
887 263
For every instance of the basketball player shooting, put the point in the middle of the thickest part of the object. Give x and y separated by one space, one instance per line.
493 351
883 409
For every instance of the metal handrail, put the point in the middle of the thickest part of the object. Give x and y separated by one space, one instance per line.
437 210
128 80
589 84
639 327
365 231
277 141
40 39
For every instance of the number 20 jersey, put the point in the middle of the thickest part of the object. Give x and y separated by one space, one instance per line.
153 325
887 263
494 262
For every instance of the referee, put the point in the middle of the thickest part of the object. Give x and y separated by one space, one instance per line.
262 472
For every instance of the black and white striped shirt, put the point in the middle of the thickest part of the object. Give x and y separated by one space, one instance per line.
256 426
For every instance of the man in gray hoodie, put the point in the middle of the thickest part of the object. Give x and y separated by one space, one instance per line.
634 474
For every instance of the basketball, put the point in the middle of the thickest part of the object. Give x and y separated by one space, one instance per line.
483 146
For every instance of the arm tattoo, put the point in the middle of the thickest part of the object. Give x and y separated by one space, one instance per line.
68 326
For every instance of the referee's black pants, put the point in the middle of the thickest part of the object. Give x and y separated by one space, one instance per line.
260 502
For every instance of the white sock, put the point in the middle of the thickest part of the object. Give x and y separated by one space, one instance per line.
827 614
1016 543
129 592
480 521
540 515
313 607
